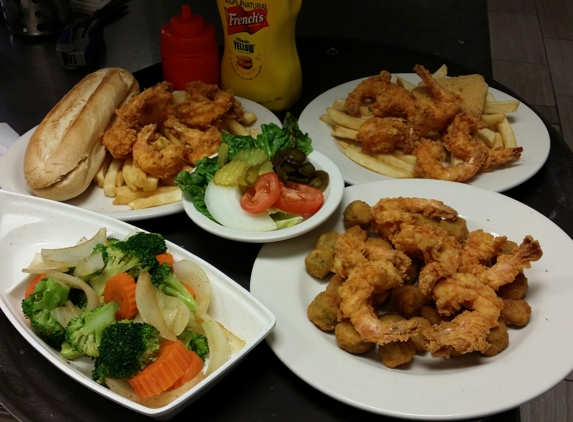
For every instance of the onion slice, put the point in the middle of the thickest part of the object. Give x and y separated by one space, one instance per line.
148 307
38 266
175 312
191 274
72 255
77 283
224 204
65 313
219 349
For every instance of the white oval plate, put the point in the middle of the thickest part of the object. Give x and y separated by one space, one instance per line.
538 357
30 223
332 198
93 199
529 130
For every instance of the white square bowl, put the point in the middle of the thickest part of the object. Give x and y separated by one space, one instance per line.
28 224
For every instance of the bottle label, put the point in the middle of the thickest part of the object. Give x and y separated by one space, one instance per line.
245 42
249 21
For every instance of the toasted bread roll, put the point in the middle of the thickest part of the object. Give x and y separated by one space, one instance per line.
65 151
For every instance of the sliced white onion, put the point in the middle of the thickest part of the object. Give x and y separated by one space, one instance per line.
235 342
191 274
175 312
219 349
72 255
65 313
77 283
89 265
149 309
224 205
38 266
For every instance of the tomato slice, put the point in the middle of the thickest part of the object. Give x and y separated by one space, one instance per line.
263 194
297 198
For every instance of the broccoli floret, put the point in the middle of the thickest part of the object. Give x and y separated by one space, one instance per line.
167 282
84 333
48 295
125 349
68 352
152 243
120 257
79 298
195 342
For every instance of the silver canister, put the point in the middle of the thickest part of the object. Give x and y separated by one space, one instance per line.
36 17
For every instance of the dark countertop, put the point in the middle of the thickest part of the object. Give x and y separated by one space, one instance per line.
392 35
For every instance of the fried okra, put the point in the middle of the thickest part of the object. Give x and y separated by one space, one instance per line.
357 213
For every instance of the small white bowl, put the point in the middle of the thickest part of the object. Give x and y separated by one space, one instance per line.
30 223
332 198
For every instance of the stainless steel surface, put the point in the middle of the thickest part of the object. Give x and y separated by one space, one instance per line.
36 17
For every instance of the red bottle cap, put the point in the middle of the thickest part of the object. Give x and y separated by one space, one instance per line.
188 34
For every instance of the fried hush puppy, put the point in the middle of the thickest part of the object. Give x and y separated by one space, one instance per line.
349 340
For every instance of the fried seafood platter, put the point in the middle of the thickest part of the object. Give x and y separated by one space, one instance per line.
448 299
438 127
159 133
427 125
407 276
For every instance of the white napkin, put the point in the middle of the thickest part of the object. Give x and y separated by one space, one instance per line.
7 137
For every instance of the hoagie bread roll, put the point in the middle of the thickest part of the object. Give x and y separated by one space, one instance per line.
65 151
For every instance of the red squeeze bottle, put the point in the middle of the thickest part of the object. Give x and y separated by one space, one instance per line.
189 50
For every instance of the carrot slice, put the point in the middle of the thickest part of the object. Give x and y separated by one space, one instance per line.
121 288
191 372
32 285
173 360
190 290
165 257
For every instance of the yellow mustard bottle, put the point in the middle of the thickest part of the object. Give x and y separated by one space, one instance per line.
260 61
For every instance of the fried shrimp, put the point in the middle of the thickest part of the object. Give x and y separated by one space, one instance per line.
381 134
373 87
153 105
435 113
430 156
198 143
479 249
413 279
468 331
157 155
204 106
458 140
349 251
439 251
366 280
389 213
119 139
509 265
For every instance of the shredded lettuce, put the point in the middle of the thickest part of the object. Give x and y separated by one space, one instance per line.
272 138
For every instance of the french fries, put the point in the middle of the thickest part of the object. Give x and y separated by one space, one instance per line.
127 184
345 128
